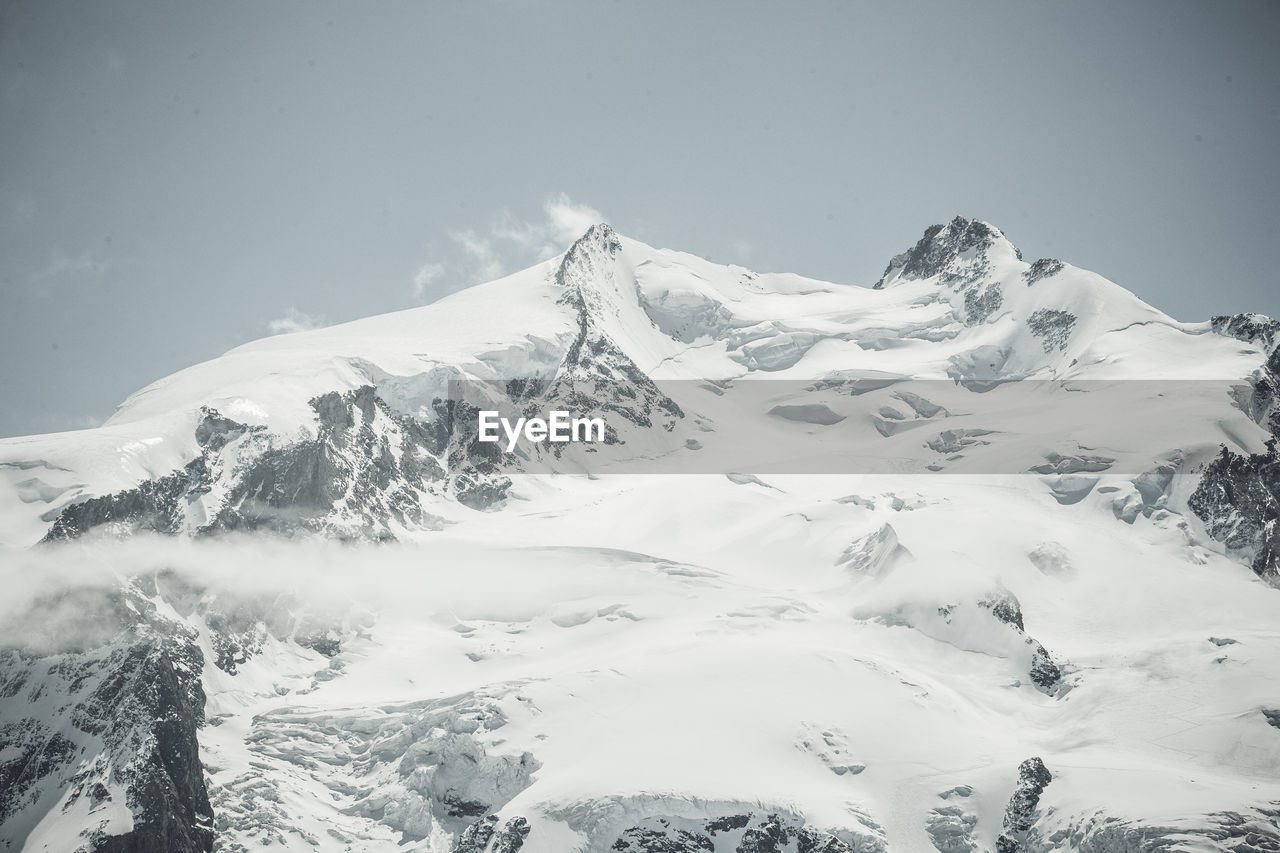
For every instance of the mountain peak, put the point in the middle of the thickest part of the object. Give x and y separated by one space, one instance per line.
941 246
587 258
600 237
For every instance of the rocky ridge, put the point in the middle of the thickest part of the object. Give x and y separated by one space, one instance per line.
437 772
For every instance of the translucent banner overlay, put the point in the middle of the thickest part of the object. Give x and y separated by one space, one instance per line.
878 425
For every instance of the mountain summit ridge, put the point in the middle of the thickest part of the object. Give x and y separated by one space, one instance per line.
960 304
942 245
287 597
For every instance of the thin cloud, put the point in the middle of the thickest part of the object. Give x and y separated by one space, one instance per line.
294 321
62 268
55 422
569 220
472 256
480 251
427 275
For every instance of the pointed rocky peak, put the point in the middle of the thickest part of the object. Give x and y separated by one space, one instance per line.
593 249
597 373
586 274
954 249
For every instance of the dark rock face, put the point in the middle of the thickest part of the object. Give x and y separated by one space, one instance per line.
739 833
1261 401
1042 269
509 839
1238 499
476 837
154 505
99 711
123 729
353 459
364 472
214 432
956 253
512 836
168 795
1044 673
980 303
664 840
1005 607
1020 815
1052 327
1252 328
935 252
596 375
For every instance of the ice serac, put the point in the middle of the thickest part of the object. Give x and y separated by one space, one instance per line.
1250 830
951 826
749 662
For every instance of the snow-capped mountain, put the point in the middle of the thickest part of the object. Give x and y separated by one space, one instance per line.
982 557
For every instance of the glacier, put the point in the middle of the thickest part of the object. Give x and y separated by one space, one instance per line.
287 598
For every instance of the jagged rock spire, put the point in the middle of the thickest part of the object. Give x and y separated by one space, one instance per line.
941 246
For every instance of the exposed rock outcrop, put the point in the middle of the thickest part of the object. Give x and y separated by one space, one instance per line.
101 729
1261 398
597 375
1052 327
1044 673
1042 269
738 833
477 837
1238 500
366 474
1020 815
953 250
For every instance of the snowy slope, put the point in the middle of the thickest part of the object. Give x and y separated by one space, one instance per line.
1062 635
674 315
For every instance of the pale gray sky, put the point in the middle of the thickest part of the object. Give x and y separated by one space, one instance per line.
178 178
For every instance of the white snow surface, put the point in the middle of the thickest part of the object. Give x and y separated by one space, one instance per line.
692 646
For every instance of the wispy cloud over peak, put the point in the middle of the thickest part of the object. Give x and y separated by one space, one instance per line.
510 242
294 321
